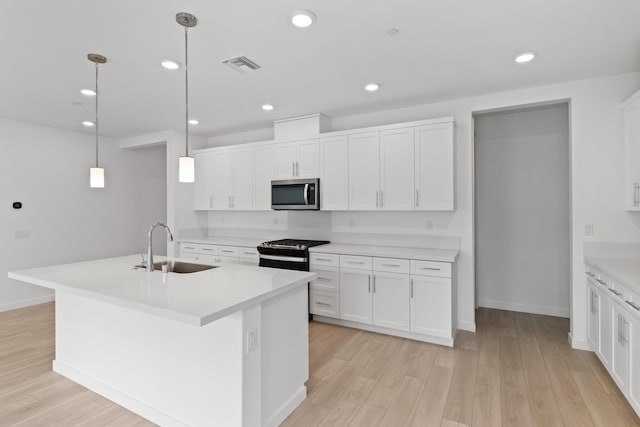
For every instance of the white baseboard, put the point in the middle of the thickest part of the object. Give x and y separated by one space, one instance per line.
286 409
122 399
582 344
27 303
467 326
525 308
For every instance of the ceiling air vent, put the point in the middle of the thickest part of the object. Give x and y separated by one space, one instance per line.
241 64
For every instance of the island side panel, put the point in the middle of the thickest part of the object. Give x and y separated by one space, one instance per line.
172 373
285 354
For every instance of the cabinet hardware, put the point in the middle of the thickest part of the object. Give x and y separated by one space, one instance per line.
411 288
227 251
597 304
369 283
635 306
323 303
297 169
323 259
377 198
618 330
207 249
616 293
189 247
429 268
625 326
210 201
602 282
293 169
591 301
323 279
381 198
374 283
390 265
590 274
356 262
417 199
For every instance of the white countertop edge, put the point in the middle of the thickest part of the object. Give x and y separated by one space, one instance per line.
400 252
597 262
168 314
245 242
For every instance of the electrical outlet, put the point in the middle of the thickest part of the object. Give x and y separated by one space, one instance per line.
21 234
588 229
252 340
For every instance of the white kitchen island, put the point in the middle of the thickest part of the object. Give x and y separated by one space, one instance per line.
221 347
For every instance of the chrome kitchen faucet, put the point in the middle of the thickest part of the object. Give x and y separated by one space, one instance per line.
150 250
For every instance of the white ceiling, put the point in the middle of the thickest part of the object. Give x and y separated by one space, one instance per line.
445 49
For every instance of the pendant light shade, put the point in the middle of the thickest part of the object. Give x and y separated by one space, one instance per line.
186 165
186 169
96 174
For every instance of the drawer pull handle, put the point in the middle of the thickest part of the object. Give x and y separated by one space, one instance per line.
207 249
429 268
602 282
189 247
248 252
619 294
590 274
227 252
390 265
633 305
356 262
324 259
323 303
324 279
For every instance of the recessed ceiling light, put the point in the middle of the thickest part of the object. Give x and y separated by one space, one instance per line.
194 122
303 18
88 92
372 87
525 57
170 64
88 124
267 107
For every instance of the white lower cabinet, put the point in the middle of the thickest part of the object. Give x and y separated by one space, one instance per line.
593 326
218 255
605 345
391 300
620 360
634 357
431 306
355 295
325 303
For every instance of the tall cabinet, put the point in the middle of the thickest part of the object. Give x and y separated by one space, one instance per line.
632 145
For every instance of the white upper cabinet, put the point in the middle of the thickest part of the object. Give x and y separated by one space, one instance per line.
222 179
434 170
632 142
364 171
262 176
242 196
334 173
397 169
203 185
299 159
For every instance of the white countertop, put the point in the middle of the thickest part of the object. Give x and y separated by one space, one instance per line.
623 270
387 252
196 298
247 242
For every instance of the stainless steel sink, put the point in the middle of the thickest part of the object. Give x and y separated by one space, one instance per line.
178 267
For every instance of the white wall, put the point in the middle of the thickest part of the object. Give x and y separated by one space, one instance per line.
47 169
522 215
597 174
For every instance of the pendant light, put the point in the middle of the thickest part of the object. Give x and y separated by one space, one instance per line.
96 174
186 166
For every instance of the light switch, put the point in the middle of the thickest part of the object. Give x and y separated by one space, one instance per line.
588 229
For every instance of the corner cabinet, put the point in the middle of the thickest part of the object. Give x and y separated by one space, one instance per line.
632 146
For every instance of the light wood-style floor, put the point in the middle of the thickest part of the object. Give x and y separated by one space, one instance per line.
518 370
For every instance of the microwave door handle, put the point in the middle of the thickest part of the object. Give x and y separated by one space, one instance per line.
306 192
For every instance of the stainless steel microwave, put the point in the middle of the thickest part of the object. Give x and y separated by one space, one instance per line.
295 194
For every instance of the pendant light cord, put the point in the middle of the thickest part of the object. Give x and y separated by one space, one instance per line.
186 84
97 92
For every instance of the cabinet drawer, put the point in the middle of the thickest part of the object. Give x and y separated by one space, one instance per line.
247 261
324 303
357 262
391 265
207 259
330 260
328 279
248 253
190 248
431 268
208 249
229 251
228 260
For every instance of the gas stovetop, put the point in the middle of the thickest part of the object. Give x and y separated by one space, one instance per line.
292 244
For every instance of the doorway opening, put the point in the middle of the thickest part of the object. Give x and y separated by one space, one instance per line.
522 199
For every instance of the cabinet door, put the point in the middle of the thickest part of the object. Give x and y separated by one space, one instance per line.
632 141
431 306
593 325
634 358
284 160
397 179
222 180
364 171
262 176
391 302
242 197
203 185
307 159
355 295
334 173
434 167
620 359
605 348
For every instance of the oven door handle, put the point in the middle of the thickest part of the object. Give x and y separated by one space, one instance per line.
283 258
306 192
